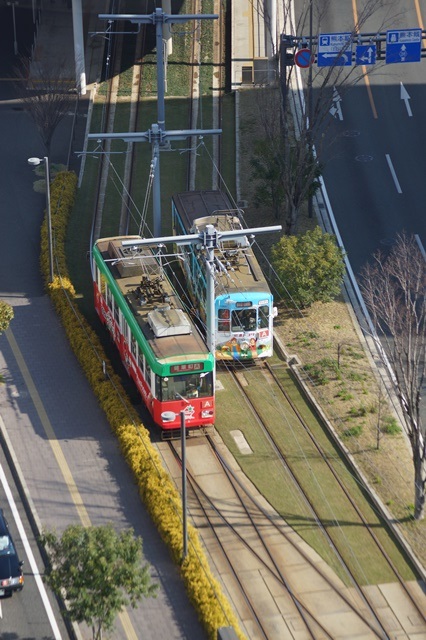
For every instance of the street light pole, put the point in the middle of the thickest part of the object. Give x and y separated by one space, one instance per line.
34 162
184 508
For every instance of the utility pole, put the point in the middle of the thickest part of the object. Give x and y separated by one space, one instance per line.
310 107
208 240
286 60
157 135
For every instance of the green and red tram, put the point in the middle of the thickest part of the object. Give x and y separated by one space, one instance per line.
162 350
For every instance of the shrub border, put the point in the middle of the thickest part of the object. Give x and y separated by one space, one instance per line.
155 486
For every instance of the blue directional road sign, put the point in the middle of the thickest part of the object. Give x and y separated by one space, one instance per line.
403 45
334 49
365 54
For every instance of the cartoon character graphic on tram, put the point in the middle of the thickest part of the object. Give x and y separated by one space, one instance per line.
244 308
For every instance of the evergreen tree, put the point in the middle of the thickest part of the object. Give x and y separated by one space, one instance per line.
310 267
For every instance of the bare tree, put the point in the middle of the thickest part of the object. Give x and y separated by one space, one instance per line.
394 290
47 94
297 139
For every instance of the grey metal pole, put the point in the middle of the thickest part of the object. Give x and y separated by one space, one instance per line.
184 514
15 42
310 107
77 23
160 138
210 238
49 218
156 185
161 118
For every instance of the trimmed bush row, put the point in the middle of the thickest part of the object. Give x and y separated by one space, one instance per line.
155 486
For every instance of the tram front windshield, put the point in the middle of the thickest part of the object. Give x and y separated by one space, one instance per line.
194 385
247 320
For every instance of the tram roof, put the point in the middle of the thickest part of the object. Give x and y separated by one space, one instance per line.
200 204
149 301
197 209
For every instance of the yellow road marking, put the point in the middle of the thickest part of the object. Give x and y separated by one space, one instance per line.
59 456
47 426
364 69
419 15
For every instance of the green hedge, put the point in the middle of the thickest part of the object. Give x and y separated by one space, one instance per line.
155 486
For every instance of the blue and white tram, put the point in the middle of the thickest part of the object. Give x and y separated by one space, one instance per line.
244 308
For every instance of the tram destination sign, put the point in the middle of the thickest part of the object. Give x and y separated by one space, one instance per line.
186 368
403 45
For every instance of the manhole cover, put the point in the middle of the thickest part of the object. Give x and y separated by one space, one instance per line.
351 133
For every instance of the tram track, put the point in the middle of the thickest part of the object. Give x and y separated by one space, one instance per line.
214 517
195 107
278 445
198 55
241 520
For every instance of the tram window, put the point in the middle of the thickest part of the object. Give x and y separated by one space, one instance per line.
244 320
133 345
187 386
158 387
116 312
205 385
140 359
263 317
148 374
108 297
224 317
102 283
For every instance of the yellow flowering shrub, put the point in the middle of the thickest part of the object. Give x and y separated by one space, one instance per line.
154 484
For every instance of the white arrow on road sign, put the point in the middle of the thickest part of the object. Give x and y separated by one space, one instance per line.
336 55
336 107
368 57
406 97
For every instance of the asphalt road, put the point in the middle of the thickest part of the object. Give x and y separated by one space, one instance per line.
33 612
374 163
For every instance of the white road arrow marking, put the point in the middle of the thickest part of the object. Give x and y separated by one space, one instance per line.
336 107
406 97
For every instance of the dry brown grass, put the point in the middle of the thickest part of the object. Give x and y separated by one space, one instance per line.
352 398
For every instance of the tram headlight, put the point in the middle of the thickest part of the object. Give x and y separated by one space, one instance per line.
245 346
168 416
207 413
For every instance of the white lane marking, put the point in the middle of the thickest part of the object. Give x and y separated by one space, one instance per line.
30 555
406 97
392 170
